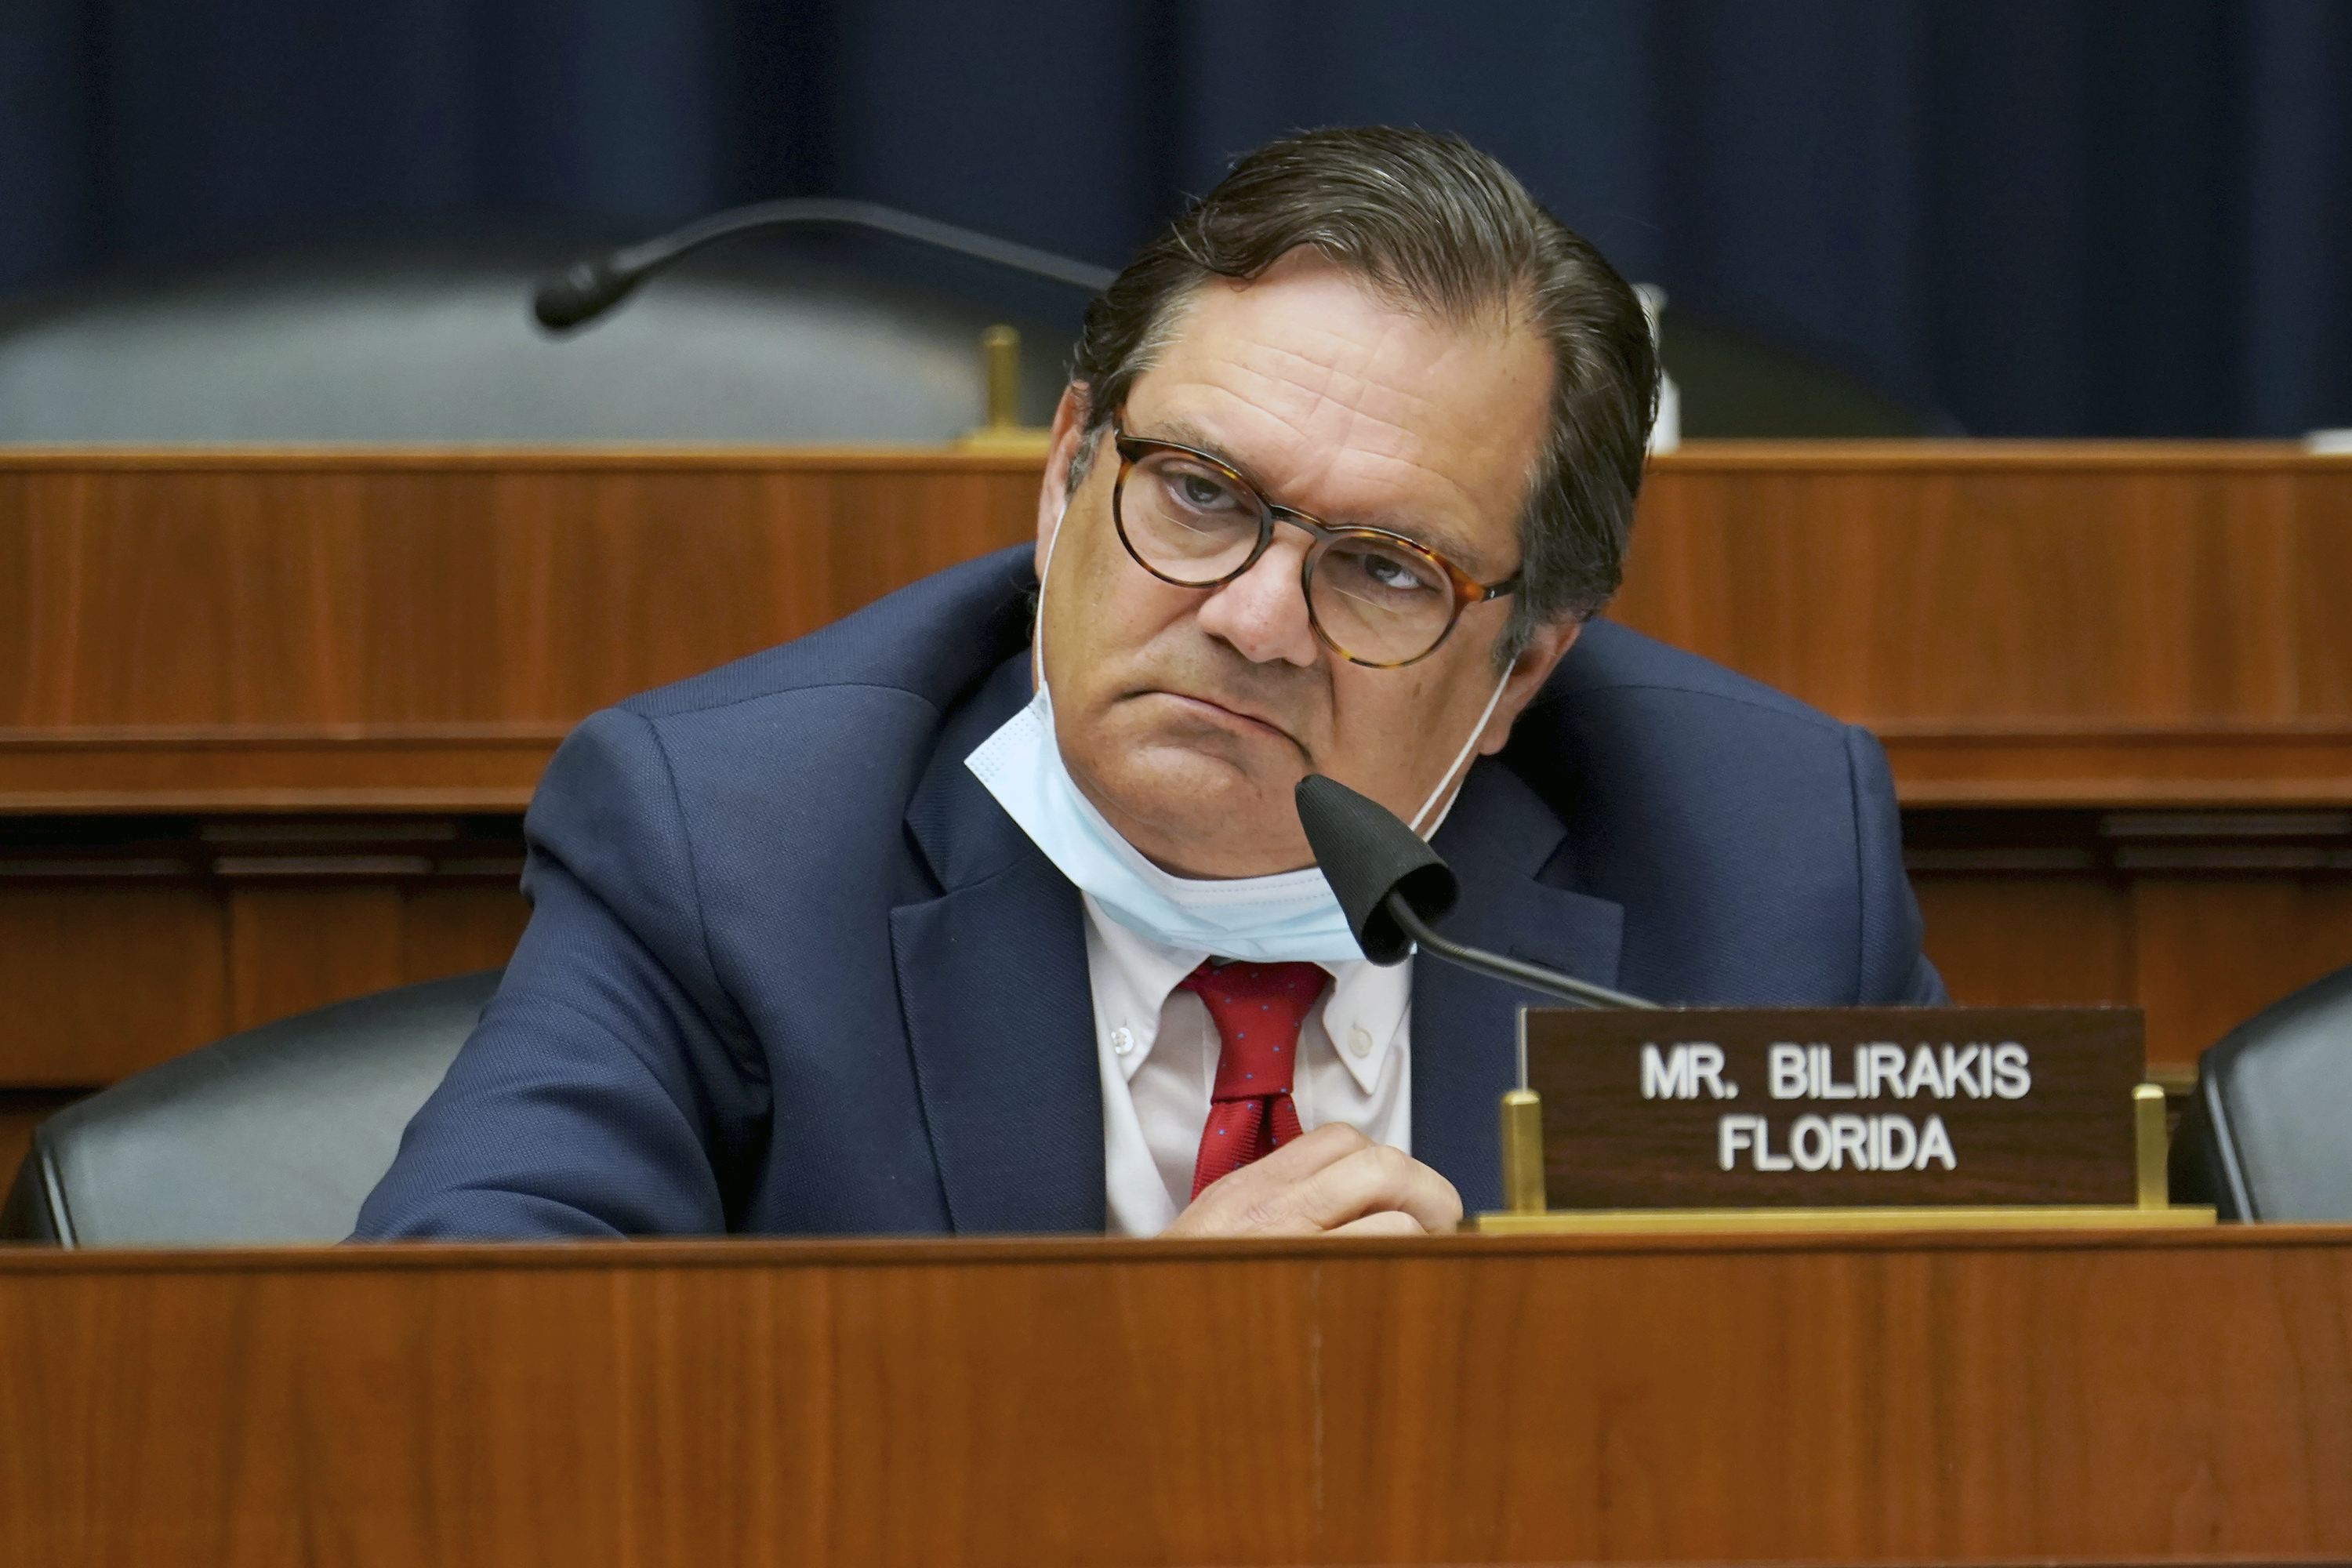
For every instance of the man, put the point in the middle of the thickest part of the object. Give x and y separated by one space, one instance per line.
923 925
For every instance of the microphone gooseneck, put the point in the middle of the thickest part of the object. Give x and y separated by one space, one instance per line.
1390 884
1532 975
589 288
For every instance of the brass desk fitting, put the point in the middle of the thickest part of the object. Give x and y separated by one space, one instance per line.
1004 434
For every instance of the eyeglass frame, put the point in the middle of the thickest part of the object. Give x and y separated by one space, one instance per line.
1467 590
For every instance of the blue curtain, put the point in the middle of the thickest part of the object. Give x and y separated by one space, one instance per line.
2052 218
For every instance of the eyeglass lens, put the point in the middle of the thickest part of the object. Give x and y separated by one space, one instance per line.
1192 522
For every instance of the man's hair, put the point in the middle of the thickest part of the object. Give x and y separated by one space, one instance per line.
1434 225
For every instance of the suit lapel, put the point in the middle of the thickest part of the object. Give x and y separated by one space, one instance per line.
993 983
1497 838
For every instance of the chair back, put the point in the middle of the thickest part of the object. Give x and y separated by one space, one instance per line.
2264 1136
273 1135
409 345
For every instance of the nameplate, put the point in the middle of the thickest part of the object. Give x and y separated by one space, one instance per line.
1853 1107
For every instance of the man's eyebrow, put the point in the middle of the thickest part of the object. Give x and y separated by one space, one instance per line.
1184 433
1444 541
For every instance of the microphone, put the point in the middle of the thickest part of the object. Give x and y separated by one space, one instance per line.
589 288
1390 884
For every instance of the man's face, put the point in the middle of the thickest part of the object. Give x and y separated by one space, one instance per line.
1186 715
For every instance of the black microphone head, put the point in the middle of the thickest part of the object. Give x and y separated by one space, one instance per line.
1366 853
581 292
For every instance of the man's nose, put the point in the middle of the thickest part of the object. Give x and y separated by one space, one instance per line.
1262 612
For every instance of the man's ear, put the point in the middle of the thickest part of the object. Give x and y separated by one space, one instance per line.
1542 654
1061 451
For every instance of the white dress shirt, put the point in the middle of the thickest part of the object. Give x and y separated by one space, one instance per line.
1157 1051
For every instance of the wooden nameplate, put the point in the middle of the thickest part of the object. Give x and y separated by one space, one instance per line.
1854 1119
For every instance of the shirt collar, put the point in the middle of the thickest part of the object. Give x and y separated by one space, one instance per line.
1364 1014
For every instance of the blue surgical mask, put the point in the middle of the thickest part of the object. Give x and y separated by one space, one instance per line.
1292 917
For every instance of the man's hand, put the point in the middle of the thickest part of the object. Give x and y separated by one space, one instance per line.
1333 1181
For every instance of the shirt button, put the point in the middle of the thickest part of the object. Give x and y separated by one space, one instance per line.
1360 1040
1122 1040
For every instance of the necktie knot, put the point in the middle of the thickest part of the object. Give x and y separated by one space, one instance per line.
1259 1009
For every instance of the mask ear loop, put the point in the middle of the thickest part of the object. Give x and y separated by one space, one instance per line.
1043 571
1462 756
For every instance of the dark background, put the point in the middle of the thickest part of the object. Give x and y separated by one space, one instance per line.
2050 217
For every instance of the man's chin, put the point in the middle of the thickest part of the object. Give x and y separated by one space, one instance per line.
1205 813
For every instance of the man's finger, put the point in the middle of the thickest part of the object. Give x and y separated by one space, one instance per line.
1324 1182
1310 1152
1261 1198
1375 1180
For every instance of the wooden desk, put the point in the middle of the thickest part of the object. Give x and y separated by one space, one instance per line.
2024 623
415 631
2144 1398
265 719
2028 623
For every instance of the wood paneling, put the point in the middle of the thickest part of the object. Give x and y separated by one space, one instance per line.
98 981
2322 566
395 631
2027 941
2215 949
384 631
2202 919
456 928
292 949
260 768
1984 593
1451 1400
376 589
117 956
2185 765
2025 624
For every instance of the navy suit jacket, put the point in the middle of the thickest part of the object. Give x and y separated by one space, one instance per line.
790 969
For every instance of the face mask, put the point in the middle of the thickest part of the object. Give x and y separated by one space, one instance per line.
1292 917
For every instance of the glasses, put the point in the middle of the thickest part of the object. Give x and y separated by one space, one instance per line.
1373 597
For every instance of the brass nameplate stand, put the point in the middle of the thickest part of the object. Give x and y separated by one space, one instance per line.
1524 1180
1004 434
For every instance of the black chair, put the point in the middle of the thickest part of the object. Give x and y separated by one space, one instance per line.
2264 1135
273 1135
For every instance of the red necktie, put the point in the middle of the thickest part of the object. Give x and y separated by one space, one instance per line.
1258 1008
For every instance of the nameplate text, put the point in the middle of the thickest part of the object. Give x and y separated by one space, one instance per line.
1731 1108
